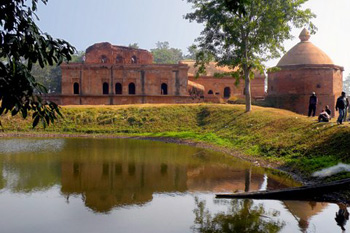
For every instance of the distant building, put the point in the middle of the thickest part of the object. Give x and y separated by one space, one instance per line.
113 74
122 75
224 87
302 70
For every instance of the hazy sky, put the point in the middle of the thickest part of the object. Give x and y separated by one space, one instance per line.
122 22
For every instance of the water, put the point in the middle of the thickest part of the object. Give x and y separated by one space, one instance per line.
120 185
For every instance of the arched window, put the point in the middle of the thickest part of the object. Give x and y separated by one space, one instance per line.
164 89
133 59
227 92
118 89
105 88
132 88
210 92
119 59
104 59
76 88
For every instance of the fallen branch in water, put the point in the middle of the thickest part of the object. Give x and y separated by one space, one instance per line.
316 192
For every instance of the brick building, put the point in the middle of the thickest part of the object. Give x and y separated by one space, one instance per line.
224 87
122 75
302 70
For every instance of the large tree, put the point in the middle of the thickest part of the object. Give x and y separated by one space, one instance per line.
246 39
23 44
164 54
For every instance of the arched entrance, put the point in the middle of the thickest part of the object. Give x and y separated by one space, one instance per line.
164 89
132 89
227 92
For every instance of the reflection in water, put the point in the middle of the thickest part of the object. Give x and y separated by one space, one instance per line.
30 145
111 176
303 211
342 216
241 216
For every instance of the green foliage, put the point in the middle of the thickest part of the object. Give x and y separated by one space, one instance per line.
241 216
78 57
22 44
163 54
280 136
134 46
246 40
346 85
48 76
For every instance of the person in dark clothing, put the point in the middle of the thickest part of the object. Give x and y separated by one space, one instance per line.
342 216
341 107
312 104
328 111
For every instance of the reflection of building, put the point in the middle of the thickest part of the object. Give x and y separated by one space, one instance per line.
303 211
305 69
110 184
121 75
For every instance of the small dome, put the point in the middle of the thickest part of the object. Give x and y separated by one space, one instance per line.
305 53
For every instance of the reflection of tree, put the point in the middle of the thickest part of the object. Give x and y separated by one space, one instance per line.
242 216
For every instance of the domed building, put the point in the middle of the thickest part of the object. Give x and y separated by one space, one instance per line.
302 70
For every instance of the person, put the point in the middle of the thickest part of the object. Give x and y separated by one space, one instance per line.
342 216
328 111
312 104
341 106
323 117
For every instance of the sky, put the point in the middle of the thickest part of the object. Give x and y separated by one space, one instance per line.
123 22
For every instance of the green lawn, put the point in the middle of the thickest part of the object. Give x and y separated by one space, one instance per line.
293 140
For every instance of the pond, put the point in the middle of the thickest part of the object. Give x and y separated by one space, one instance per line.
124 185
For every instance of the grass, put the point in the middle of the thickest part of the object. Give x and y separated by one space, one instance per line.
298 142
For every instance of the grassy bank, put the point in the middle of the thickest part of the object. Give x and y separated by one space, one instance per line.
292 140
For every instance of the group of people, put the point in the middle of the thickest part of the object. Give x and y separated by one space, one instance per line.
342 106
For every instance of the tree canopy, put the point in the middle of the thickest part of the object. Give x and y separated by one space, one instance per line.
23 44
163 54
246 39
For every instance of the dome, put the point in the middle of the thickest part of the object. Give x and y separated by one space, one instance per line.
305 53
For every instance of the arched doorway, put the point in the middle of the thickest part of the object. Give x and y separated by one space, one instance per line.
210 92
227 92
133 60
118 89
76 88
132 89
105 88
164 89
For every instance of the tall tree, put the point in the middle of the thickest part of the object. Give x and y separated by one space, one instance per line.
346 85
192 51
23 44
163 54
245 40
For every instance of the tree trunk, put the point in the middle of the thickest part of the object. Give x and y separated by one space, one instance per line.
248 98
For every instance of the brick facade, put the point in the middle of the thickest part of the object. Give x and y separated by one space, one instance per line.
303 70
122 75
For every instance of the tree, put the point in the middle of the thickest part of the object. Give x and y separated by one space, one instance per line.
241 216
163 54
192 51
49 76
23 44
346 85
134 46
246 40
